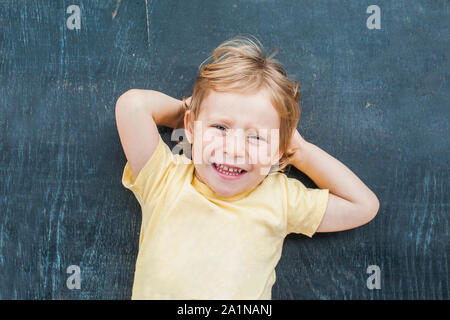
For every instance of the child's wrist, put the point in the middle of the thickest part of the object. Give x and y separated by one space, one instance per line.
299 158
169 115
178 120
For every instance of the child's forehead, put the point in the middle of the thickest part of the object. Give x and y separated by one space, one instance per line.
244 110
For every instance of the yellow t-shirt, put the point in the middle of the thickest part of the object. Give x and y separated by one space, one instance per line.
195 244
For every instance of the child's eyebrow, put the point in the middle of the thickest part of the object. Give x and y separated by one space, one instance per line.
222 120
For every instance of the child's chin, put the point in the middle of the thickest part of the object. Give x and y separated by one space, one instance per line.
227 193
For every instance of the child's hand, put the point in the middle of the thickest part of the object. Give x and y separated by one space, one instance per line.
297 141
180 118
296 146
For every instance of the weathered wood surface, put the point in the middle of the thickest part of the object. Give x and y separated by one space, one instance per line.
377 100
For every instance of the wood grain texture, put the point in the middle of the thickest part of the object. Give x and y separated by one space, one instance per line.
377 100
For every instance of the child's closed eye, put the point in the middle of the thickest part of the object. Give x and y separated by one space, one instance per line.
218 125
257 138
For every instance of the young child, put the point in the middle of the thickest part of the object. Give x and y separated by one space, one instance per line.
213 224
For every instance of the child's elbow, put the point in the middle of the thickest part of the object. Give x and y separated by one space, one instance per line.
127 96
374 207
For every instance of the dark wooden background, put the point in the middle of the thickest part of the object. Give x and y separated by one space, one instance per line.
377 100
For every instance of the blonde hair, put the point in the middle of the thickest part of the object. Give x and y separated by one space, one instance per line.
240 65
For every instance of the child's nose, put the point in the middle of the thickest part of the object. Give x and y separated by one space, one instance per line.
235 144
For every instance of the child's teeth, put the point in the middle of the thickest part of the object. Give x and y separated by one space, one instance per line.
227 170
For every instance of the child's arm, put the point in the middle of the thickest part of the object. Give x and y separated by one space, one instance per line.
138 112
351 203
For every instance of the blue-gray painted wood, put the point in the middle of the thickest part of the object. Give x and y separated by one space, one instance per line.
377 100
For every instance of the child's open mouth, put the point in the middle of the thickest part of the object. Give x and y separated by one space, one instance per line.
228 173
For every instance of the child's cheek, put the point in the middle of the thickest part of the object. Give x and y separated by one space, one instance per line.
210 146
258 155
265 154
253 156
197 154
202 149
264 171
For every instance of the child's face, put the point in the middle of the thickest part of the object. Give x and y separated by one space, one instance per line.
238 130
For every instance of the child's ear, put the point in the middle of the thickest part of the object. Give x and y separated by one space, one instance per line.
187 126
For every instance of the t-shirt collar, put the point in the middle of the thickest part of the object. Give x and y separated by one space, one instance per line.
211 194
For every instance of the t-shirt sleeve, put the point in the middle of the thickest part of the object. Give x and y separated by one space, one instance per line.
305 207
150 181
